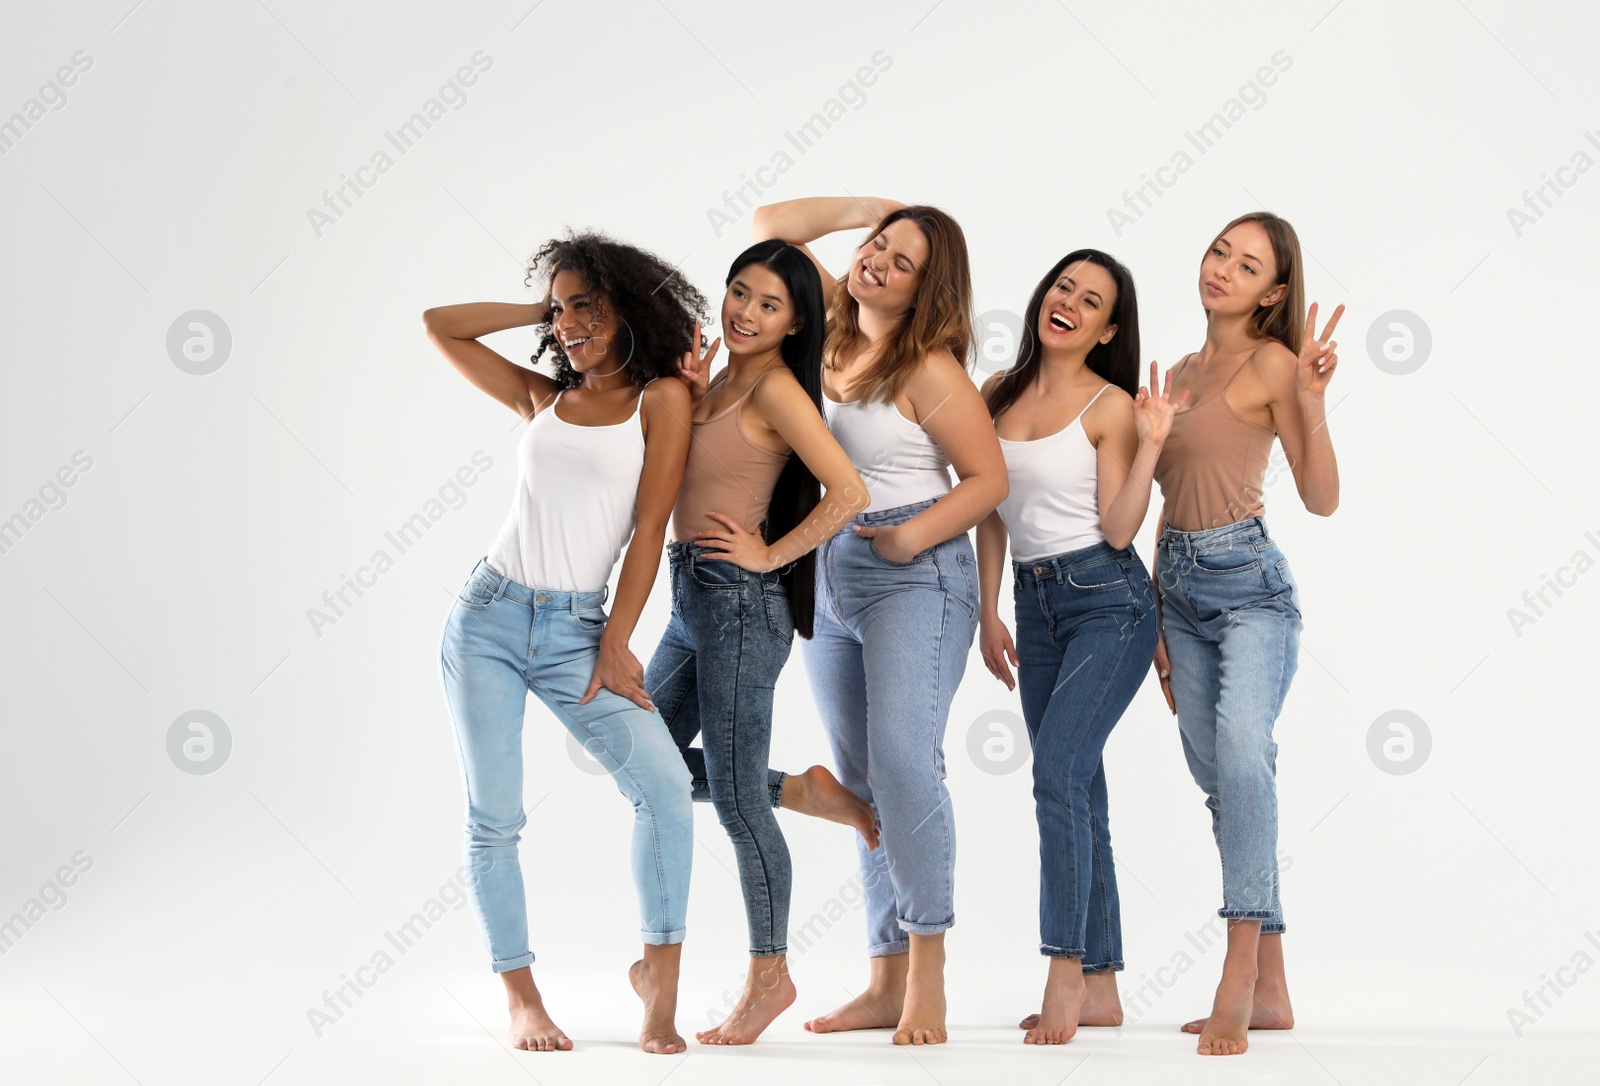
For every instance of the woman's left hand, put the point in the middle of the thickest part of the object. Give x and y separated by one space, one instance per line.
619 671
1318 357
890 541
731 543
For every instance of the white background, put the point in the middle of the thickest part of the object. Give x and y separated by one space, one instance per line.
178 572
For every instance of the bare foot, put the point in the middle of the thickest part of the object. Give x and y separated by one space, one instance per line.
659 993
531 1029
1057 1020
1224 1032
768 992
1102 1006
818 793
922 1021
1271 1008
872 1009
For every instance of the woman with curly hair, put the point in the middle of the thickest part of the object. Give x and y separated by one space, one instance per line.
1230 612
745 529
601 459
897 592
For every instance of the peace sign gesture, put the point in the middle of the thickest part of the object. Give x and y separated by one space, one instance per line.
694 370
1318 357
1152 414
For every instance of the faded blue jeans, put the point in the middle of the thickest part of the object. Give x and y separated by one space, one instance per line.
1231 620
713 675
1086 633
501 640
889 646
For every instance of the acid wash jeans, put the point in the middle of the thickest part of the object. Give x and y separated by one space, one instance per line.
713 675
501 640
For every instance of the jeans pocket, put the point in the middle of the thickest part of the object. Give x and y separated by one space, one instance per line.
1099 576
920 556
593 617
780 617
715 573
478 593
1228 560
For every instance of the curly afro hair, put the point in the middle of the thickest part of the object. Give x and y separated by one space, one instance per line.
657 306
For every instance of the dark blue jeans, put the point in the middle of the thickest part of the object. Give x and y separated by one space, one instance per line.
713 676
1086 633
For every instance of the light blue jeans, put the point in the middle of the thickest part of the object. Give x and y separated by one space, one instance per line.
501 640
889 646
1231 620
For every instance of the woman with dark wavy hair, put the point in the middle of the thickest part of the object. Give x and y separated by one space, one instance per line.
600 460
745 527
1080 439
1230 611
897 593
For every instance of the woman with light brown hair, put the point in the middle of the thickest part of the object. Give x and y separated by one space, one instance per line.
897 589
1230 612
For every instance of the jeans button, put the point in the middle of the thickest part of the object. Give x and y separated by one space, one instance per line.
542 598
1038 569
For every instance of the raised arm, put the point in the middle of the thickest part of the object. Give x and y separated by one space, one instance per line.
1128 435
455 330
806 220
1299 411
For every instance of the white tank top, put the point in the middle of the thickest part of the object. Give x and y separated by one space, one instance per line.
897 459
574 505
1054 503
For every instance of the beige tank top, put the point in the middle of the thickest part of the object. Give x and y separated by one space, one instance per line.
727 474
1212 465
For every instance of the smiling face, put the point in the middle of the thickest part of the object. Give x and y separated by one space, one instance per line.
757 312
888 268
1077 309
587 335
1240 272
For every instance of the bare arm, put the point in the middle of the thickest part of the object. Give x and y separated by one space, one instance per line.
804 220
667 410
1128 435
1301 422
456 329
790 413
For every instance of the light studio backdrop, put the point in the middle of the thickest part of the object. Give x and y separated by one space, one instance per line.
240 490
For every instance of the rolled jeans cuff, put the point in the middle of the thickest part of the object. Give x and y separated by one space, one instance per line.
1245 914
925 929
884 950
776 780
657 938
513 963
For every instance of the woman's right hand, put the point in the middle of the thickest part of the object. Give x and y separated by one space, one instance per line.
881 207
1153 410
695 371
1164 672
994 641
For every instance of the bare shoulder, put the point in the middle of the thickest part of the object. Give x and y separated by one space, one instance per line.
1273 365
940 373
666 393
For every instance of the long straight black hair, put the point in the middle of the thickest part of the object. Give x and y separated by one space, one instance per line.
1117 361
797 490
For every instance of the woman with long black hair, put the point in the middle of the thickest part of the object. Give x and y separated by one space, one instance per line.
745 527
1080 439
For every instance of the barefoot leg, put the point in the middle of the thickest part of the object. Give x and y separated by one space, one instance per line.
531 1028
768 992
879 1007
922 1021
1064 993
818 793
1102 1006
1224 1033
655 978
1272 1009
